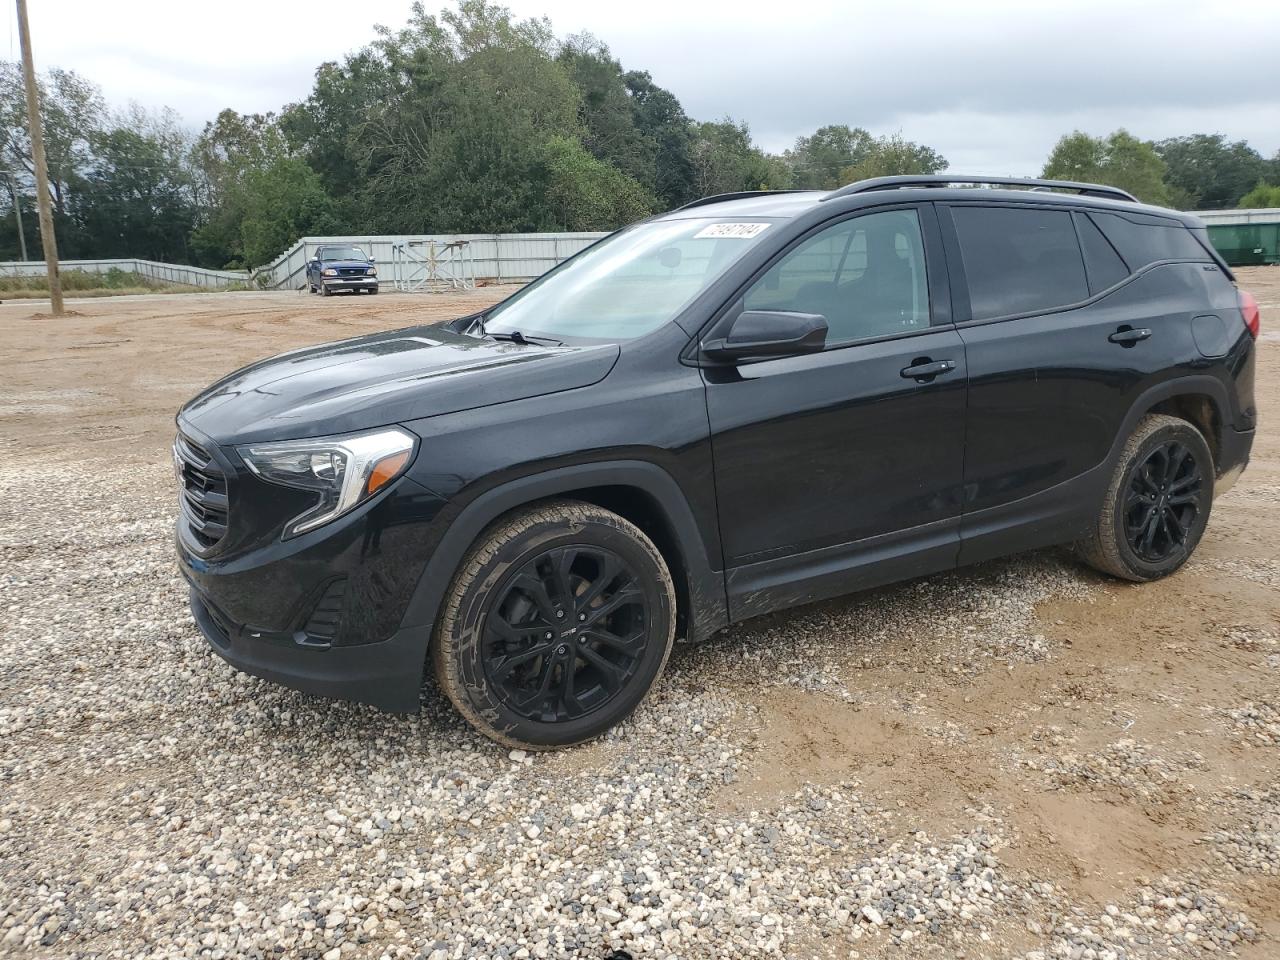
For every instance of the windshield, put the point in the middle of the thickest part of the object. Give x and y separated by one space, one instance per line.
341 253
629 284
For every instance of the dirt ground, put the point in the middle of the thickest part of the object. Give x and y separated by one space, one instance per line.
1144 741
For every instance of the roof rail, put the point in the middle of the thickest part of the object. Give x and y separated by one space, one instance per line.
739 195
946 180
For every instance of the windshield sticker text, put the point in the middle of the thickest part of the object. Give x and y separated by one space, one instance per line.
739 231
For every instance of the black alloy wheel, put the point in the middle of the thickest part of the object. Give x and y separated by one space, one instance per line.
1163 502
566 633
556 625
1157 503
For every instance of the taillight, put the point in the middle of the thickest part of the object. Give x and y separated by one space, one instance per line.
1252 317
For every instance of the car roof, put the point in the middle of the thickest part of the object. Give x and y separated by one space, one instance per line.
787 204
782 204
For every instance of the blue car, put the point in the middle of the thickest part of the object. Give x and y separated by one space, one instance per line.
341 266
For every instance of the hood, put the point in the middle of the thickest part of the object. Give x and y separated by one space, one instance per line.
338 264
385 378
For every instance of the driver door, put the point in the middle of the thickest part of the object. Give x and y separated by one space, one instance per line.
842 469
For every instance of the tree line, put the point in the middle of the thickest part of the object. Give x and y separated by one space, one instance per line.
469 120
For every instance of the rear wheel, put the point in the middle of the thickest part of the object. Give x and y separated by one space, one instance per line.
1157 504
556 626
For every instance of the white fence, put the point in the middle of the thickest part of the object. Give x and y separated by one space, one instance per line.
151 269
1236 217
494 257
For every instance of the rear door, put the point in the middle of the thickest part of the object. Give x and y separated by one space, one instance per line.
839 469
1062 333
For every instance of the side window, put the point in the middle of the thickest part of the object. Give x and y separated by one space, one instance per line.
1146 240
1019 259
866 275
1101 262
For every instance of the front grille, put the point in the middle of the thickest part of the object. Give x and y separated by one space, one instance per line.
351 271
204 492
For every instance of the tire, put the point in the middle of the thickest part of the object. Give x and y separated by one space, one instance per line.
505 658
325 291
1157 503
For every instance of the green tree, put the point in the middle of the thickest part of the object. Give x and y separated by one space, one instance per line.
1206 172
609 130
72 111
585 193
725 160
1119 160
230 148
283 201
458 141
1262 197
137 197
894 156
817 160
669 134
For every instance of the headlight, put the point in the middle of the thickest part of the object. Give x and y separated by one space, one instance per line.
343 471
329 272
373 271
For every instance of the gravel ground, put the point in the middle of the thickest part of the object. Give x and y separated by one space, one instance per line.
1021 760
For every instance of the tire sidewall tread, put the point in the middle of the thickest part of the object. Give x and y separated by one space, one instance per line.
458 632
1105 548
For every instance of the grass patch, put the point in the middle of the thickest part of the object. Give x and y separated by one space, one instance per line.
79 283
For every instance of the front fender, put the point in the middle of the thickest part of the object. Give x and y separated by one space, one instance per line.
708 608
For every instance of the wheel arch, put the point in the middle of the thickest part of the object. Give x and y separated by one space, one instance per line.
640 491
1200 400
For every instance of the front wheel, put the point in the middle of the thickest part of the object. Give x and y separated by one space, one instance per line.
559 621
1157 505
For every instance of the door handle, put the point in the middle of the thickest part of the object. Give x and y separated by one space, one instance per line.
924 369
1128 336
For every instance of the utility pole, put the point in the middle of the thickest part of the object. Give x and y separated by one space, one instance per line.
47 238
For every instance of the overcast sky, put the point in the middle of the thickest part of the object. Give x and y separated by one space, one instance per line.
989 83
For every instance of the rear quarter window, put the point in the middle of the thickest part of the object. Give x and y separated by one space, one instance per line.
1019 260
1102 264
1144 240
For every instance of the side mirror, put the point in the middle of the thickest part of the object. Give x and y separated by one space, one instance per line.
770 333
315 259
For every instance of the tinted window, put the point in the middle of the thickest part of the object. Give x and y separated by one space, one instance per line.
1019 259
1146 240
865 275
1101 262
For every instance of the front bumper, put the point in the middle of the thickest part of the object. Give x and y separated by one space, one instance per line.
323 612
350 283
386 674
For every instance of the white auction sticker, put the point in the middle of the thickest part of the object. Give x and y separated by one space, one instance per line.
739 231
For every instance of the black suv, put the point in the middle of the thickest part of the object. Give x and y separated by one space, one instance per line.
752 402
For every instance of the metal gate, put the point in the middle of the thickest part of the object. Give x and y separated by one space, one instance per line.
432 266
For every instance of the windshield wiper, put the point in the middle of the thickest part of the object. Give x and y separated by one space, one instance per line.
515 336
